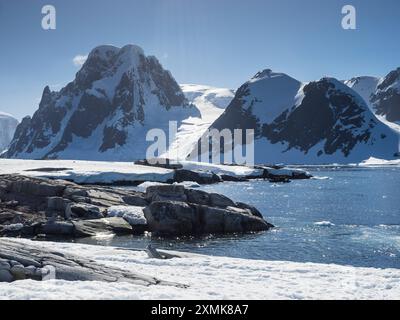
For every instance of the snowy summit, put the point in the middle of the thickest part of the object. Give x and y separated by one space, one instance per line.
106 112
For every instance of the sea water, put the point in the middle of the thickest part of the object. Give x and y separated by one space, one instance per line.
347 216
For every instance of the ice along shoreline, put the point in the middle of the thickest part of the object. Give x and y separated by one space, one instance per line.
127 173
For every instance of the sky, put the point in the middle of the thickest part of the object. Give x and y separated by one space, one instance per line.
221 43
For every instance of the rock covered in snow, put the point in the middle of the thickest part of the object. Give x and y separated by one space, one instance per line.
8 125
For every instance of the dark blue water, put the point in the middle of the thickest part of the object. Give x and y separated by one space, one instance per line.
360 207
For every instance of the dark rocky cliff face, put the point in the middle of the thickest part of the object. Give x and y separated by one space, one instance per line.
386 100
115 98
325 114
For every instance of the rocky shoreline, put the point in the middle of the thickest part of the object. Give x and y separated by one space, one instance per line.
133 174
22 261
38 207
266 172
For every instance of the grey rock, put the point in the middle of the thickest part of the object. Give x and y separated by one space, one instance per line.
74 191
182 175
83 210
58 228
218 200
166 193
230 220
179 218
37 187
254 211
18 272
6 276
35 260
57 203
170 218
89 228
198 196
138 201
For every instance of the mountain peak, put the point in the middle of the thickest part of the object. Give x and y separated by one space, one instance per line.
266 74
117 96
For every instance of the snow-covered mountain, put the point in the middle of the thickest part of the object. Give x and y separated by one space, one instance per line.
320 122
365 86
8 124
106 112
382 96
211 102
386 99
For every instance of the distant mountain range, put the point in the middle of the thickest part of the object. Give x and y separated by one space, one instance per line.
8 124
381 94
120 94
319 122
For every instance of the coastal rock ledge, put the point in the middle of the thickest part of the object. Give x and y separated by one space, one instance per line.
37 207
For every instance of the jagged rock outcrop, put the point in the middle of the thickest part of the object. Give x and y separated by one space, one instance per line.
386 99
176 211
381 94
32 207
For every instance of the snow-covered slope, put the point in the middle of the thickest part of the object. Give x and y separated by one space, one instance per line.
106 112
209 277
386 99
320 122
208 98
382 96
8 124
365 86
211 102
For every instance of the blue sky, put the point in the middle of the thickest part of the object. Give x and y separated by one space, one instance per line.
216 42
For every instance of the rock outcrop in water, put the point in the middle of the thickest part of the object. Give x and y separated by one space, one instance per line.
34 207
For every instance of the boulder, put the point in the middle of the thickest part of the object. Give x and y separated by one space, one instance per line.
230 220
57 228
57 206
89 228
218 200
135 200
197 196
5 275
179 218
166 193
210 199
83 210
201 177
72 191
37 187
254 211
170 218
